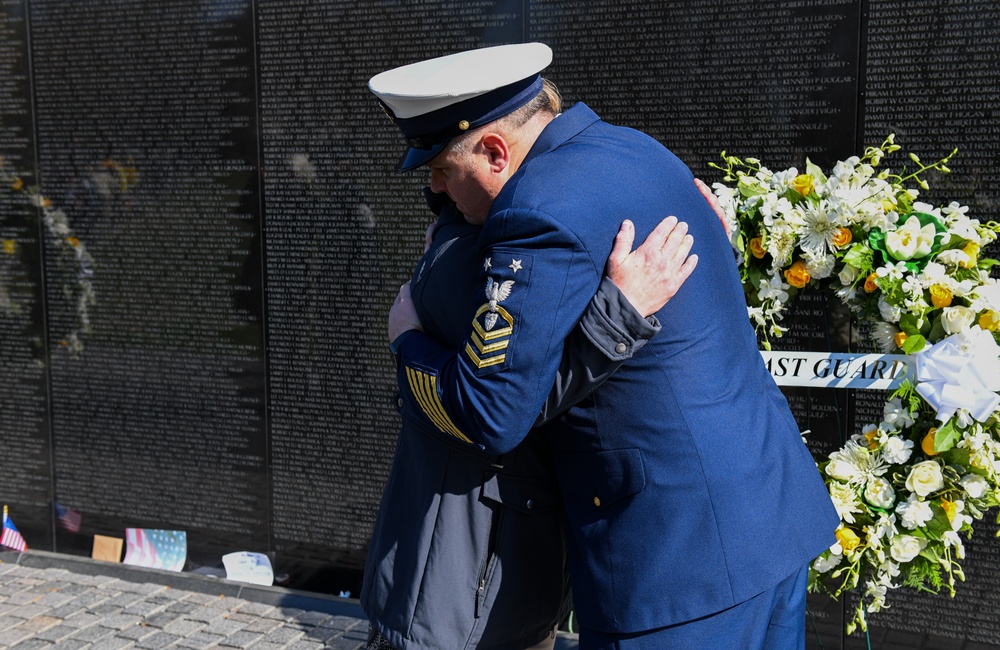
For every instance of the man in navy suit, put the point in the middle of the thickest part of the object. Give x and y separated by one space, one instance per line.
693 508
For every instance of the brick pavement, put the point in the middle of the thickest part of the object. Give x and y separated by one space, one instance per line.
53 607
49 600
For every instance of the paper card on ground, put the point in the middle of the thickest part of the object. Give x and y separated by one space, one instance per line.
244 566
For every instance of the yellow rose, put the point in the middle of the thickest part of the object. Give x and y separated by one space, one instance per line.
17 185
870 285
797 275
803 184
9 246
900 338
940 296
989 320
757 248
927 444
848 539
842 237
73 241
872 438
972 250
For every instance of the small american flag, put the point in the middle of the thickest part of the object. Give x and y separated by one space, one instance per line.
10 537
67 518
157 549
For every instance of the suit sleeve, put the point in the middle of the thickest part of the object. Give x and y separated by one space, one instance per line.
536 282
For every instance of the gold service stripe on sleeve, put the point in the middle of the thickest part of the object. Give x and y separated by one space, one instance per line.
483 363
424 388
487 348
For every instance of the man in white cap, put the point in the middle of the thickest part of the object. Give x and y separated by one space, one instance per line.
693 508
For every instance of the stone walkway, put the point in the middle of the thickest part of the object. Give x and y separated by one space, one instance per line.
49 600
55 607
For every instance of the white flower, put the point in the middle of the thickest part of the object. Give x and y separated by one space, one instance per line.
889 312
897 450
895 416
885 336
772 288
756 314
927 208
879 493
884 528
827 563
906 547
974 484
911 240
957 319
855 464
894 270
887 571
954 212
934 273
845 500
820 267
925 478
953 257
818 231
780 245
848 275
876 593
914 513
951 538
986 295
956 518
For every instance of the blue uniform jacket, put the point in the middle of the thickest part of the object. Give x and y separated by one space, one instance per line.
686 484
468 549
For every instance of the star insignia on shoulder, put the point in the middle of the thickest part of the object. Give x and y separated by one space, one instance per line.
487 264
515 265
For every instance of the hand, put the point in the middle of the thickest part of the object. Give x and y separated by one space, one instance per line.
429 236
650 275
713 201
402 315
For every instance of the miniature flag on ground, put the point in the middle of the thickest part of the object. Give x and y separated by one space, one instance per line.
10 537
157 549
67 518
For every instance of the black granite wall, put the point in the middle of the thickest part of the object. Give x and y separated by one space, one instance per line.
202 234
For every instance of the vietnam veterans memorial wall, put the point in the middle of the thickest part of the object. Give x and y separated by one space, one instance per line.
216 176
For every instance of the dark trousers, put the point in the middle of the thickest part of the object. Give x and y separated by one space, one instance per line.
773 620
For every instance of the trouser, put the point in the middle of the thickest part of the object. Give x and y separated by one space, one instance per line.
378 642
773 620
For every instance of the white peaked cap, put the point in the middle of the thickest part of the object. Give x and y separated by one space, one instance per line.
430 85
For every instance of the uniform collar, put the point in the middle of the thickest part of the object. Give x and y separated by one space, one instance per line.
562 128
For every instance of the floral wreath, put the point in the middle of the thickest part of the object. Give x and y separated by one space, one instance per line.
907 487
69 247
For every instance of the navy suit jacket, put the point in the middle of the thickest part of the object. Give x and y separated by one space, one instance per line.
686 485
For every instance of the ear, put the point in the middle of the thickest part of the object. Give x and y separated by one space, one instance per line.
497 151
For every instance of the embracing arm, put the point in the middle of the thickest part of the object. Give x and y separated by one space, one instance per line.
648 277
619 319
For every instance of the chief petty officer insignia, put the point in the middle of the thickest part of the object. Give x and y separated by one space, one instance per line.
493 326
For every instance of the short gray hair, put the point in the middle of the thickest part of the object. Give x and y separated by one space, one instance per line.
548 99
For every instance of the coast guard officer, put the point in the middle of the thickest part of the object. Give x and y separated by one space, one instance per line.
692 505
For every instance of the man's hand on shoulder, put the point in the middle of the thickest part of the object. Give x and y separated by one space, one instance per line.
650 275
403 315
